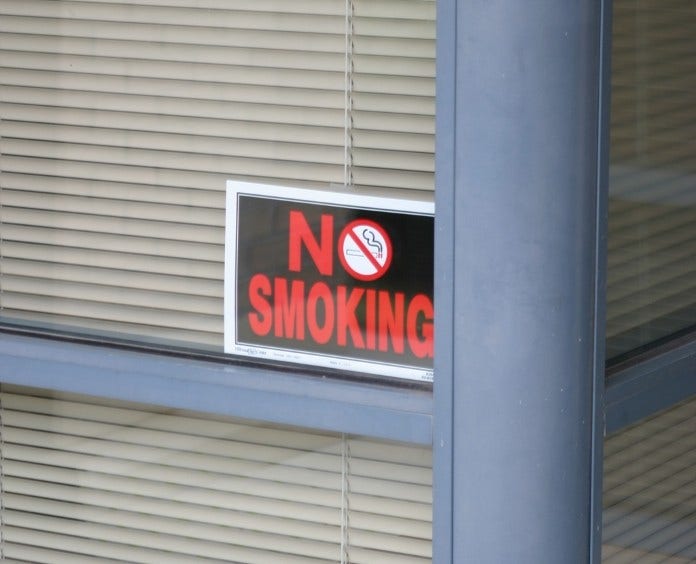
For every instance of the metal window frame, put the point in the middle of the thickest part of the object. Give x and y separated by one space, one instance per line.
654 381
473 169
257 393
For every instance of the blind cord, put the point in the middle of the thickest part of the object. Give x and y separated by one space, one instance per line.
348 102
345 505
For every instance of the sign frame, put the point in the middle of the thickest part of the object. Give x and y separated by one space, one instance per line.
415 205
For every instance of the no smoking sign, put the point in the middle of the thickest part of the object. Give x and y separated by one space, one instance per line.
338 280
365 250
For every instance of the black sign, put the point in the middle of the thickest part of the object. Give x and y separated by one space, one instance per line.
325 283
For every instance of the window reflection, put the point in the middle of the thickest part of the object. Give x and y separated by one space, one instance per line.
652 208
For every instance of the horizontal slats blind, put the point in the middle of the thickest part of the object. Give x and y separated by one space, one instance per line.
121 121
650 490
389 503
91 481
392 92
652 212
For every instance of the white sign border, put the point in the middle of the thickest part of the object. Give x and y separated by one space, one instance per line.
344 198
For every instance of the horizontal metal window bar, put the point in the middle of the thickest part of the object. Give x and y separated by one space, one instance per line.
258 393
655 380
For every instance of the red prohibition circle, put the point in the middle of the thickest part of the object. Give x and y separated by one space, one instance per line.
365 250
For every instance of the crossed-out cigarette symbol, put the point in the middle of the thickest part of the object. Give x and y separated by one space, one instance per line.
370 239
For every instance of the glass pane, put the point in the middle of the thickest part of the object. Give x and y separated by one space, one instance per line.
652 190
650 490
121 122
92 480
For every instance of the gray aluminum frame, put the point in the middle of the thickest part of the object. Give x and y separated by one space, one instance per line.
520 199
643 386
263 394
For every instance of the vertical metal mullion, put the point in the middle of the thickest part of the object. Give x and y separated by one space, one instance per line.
519 288
602 207
445 151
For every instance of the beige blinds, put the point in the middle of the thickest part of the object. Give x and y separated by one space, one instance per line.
121 121
91 481
389 503
392 93
649 490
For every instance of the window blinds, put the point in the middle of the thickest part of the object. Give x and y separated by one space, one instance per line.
649 487
121 121
93 481
392 94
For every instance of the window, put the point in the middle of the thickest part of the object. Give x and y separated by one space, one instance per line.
91 480
121 122
652 208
